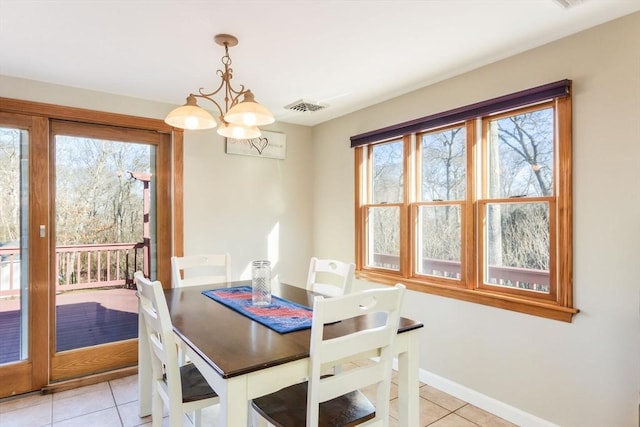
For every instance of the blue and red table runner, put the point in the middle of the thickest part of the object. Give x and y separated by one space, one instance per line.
281 315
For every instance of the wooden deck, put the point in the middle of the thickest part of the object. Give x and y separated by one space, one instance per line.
84 318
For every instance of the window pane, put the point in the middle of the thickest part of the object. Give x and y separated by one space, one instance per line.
444 165
520 155
104 231
384 237
517 245
14 245
439 249
387 172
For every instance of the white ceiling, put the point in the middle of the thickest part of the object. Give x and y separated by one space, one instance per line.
347 54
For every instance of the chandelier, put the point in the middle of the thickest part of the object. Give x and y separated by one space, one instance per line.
238 119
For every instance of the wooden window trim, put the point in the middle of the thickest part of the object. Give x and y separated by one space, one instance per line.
559 305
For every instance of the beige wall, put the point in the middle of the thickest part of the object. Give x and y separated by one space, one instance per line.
253 208
581 374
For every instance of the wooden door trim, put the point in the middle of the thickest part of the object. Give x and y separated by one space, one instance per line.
178 193
39 289
100 358
52 111
17 379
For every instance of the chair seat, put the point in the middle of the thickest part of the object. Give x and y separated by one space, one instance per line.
288 408
194 385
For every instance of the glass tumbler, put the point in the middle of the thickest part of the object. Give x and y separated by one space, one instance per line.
261 282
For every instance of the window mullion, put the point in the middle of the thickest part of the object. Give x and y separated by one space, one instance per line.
360 170
407 245
470 274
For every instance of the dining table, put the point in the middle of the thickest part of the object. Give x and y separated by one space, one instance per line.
242 359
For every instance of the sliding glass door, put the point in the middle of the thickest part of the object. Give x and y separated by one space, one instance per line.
82 207
104 216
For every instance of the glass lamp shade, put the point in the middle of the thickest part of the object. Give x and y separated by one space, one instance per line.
229 130
190 116
249 113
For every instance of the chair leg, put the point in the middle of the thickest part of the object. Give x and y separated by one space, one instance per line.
182 357
257 420
176 413
156 409
197 418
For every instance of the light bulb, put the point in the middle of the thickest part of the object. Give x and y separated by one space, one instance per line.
191 122
238 132
249 119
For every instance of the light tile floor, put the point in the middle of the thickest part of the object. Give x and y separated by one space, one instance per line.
115 403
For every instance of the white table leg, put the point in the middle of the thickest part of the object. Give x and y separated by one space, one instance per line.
408 384
233 392
234 405
144 369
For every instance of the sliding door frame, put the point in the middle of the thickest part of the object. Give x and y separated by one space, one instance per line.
44 366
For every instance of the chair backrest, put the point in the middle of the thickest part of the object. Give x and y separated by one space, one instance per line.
159 330
375 340
336 276
201 269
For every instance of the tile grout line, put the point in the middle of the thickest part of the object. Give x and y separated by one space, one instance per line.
463 417
113 396
87 413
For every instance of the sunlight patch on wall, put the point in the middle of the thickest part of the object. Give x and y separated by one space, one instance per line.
273 249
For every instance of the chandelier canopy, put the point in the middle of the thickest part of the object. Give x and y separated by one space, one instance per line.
238 119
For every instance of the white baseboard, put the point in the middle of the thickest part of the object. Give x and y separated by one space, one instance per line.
502 410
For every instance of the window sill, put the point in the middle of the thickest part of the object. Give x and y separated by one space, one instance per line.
507 302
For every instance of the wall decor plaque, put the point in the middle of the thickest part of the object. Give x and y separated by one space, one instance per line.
271 145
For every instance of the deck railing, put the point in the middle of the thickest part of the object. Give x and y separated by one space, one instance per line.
105 265
79 266
9 271
523 278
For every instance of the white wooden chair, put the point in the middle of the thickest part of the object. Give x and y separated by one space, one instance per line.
335 400
182 389
330 277
201 269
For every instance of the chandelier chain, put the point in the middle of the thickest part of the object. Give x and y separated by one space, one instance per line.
231 95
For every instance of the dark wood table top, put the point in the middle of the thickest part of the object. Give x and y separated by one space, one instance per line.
233 344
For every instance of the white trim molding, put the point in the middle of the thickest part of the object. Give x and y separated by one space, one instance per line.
489 404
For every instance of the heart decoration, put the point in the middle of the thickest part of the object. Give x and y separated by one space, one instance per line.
259 144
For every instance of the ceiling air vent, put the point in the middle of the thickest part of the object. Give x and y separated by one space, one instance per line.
305 106
569 3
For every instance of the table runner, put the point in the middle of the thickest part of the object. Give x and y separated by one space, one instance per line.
281 315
